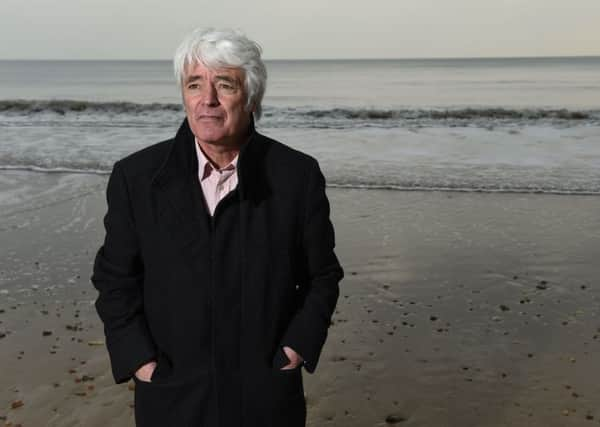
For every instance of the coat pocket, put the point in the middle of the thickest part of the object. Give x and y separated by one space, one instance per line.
280 359
177 403
287 383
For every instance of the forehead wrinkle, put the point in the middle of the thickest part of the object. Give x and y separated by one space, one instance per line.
223 73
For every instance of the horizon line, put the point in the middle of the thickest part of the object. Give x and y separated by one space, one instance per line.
432 58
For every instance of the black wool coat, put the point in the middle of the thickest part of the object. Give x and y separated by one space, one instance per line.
214 299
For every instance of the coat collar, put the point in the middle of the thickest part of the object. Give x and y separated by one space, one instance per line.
181 162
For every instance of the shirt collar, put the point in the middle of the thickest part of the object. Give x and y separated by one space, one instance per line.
205 167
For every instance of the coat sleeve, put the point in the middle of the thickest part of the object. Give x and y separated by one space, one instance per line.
118 275
307 331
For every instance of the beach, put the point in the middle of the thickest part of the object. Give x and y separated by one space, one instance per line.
465 199
457 309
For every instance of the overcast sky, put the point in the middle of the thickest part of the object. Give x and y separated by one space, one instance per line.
151 29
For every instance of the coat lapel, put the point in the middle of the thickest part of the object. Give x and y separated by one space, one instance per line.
252 172
177 197
178 201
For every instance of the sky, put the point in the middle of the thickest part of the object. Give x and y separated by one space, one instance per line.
306 29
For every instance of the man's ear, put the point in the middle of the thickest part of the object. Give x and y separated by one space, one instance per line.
251 110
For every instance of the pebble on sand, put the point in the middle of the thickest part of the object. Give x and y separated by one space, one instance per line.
16 404
84 378
394 419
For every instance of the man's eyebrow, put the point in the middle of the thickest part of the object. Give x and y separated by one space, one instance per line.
226 78
193 78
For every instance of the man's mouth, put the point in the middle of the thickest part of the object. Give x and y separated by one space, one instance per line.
210 117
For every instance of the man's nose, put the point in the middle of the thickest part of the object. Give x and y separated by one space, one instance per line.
209 97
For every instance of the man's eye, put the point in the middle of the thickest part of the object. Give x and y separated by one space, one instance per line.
193 86
226 87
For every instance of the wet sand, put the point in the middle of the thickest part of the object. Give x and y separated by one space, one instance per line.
457 309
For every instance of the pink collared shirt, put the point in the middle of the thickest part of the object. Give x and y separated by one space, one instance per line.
216 183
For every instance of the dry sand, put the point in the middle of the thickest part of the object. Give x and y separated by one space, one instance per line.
456 310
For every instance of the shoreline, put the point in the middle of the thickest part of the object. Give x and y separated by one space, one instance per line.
24 170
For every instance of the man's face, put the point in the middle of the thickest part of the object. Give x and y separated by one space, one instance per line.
215 101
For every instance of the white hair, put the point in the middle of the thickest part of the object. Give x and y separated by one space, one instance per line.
225 49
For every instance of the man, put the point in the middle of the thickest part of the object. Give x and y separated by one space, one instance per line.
217 278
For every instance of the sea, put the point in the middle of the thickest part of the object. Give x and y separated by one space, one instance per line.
522 125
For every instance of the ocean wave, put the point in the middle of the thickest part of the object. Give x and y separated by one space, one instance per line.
470 189
453 114
64 106
83 169
14 112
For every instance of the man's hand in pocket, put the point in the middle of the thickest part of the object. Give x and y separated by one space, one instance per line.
144 373
295 358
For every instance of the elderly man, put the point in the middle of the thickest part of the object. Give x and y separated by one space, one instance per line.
217 278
